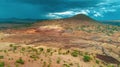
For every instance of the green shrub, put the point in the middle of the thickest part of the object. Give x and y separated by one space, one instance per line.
11 45
41 49
44 64
71 64
78 65
58 60
23 49
34 50
2 64
110 66
87 58
48 50
97 61
1 57
5 51
16 65
68 51
14 48
75 53
20 61
35 57
66 65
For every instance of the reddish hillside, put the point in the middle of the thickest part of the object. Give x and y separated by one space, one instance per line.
71 22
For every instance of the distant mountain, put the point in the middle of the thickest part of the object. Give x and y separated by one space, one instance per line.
112 22
16 20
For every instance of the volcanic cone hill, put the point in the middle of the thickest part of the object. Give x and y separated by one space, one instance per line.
72 22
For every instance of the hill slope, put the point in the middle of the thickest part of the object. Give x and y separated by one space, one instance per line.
71 22
78 41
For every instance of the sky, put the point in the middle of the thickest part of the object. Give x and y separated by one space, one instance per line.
54 9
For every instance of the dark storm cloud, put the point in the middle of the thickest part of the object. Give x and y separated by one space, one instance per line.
56 8
57 5
54 2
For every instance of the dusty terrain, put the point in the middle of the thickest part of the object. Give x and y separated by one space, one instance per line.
78 41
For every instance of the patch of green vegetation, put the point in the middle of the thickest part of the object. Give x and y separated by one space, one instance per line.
78 65
41 49
34 50
16 65
49 50
75 53
59 51
110 66
5 51
48 65
1 57
20 61
41 59
68 51
71 64
35 57
87 58
97 61
106 29
10 58
11 45
81 53
66 65
23 49
44 64
2 64
14 48
58 60
8 65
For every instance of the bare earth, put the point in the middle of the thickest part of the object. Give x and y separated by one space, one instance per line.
57 43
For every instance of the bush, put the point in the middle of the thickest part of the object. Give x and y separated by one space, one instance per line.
5 51
11 45
41 49
97 61
20 61
14 48
75 53
87 58
67 52
1 57
2 64
34 50
23 49
58 60
110 66
48 50
44 64
35 57
66 65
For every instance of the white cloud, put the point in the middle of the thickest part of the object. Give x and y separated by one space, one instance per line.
63 13
53 16
67 13
97 14
83 12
